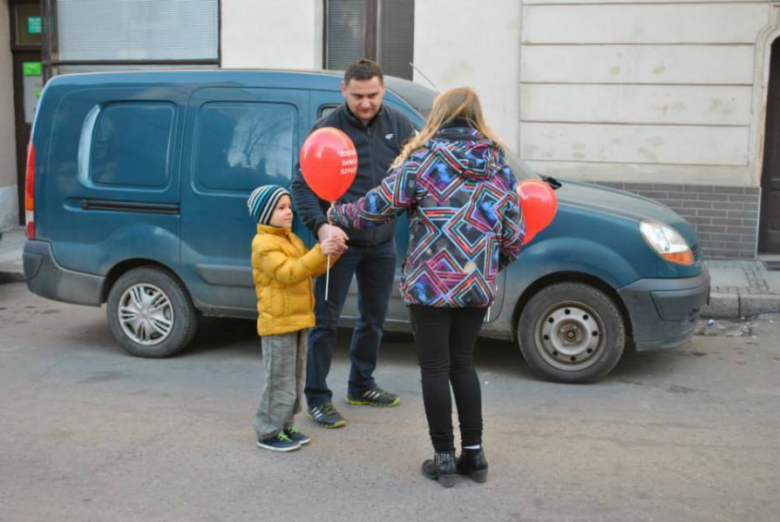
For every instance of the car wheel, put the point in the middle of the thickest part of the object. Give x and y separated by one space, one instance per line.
150 313
571 332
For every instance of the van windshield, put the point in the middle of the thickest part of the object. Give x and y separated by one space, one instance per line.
421 99
416 95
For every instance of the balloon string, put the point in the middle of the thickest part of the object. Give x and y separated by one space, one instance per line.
327 273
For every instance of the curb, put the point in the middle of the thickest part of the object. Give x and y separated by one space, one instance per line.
11 277
738 305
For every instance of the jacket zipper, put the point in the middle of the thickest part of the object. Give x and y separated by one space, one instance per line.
370 138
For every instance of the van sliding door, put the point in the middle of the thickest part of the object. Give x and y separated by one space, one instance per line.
237 139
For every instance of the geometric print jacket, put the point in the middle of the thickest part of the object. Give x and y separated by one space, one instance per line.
465 219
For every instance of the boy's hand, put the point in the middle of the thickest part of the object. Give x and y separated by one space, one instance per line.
333 246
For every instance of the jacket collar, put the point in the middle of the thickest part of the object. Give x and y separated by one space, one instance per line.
457 122
357 122
276 231
458 130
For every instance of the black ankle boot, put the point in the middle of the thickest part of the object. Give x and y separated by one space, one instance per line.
441 468
474 464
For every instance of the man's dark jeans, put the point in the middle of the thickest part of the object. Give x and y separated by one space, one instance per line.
374 267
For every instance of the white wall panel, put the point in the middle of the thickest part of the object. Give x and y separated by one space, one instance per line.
635 144
668 104
644 23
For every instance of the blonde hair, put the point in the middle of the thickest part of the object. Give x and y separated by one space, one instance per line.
460 102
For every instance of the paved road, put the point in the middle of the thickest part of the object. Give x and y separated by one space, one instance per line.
89 433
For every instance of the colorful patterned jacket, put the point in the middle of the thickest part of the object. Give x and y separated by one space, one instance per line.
465 219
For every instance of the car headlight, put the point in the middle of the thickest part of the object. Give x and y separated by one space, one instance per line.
667 242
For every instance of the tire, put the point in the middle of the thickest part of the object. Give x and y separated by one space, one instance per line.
159 319
571 333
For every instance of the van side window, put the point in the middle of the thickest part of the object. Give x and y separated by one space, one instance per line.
131 145
325 110
240 145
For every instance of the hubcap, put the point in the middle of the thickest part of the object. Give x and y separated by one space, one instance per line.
145 314
570 336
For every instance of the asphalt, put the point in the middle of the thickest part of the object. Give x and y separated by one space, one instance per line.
739 289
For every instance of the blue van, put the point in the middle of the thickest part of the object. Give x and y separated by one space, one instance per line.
136 198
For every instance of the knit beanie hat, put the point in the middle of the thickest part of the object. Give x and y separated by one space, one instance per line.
263 200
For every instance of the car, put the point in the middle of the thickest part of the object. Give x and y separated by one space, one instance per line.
136 198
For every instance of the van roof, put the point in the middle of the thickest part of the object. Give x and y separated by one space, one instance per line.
417 96
245 77
290 78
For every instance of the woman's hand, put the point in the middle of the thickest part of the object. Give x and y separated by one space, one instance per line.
323 233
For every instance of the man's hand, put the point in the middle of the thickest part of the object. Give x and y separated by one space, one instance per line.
336 233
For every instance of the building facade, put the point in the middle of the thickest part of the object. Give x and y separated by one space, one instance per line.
9 197
668 99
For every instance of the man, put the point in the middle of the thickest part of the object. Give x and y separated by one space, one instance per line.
378 133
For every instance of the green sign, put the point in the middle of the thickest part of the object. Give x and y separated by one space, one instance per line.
34 24
32 69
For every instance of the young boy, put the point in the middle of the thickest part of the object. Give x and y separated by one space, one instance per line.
283 270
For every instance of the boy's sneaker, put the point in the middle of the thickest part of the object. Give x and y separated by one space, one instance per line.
295 435
280 442
326 416
376 397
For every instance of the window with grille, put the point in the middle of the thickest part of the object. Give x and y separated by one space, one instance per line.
381 30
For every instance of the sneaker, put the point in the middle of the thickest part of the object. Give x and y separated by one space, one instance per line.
295 435
376 397
280 442
327 416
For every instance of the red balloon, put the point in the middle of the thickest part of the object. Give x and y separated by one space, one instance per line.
540 203
329 163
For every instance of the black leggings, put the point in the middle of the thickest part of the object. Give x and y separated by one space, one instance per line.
445 339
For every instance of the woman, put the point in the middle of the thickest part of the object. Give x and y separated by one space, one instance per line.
466 225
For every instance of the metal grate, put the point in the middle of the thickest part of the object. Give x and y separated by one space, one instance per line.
772 266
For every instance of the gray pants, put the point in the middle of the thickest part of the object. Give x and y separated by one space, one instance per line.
285 375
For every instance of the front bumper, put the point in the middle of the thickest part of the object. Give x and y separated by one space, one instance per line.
664 312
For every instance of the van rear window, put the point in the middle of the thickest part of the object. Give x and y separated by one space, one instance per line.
241 145
131 145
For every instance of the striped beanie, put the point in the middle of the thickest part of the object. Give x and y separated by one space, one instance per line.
263 200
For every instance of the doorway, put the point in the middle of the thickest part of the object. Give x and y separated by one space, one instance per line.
26 36
769 224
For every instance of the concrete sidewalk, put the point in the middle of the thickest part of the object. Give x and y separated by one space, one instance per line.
743 288
11 243
739 288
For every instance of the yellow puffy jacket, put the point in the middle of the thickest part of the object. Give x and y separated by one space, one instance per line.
283 270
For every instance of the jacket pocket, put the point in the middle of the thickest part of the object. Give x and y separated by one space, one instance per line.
280 303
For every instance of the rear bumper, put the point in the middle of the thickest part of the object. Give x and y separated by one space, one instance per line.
664 312
48 279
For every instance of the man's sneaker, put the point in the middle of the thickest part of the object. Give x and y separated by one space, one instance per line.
376 397
280 442
295 435
326 416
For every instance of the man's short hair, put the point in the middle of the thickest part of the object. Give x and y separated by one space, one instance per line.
363 70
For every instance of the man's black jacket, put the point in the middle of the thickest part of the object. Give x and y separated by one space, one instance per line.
378 143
